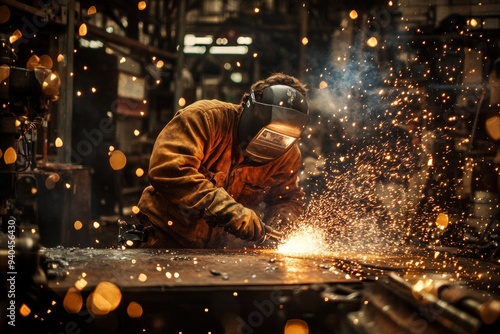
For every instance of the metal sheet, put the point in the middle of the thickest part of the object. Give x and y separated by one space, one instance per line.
229 291
196 268
189 268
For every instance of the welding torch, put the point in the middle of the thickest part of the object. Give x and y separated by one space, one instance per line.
271 234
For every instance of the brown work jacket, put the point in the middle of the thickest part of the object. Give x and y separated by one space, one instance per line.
197 167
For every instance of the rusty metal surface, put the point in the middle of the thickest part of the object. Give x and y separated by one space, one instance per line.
143 268
254 291
138 268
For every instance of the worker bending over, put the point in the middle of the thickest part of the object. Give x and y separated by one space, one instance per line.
218 169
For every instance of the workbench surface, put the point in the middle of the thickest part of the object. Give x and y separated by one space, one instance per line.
136 268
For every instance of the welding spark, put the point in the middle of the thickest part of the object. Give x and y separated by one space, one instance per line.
305 241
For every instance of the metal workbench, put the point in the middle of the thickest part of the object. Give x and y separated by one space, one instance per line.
258 291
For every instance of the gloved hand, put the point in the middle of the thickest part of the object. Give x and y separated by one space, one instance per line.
276 222
236 219
280 220
245 224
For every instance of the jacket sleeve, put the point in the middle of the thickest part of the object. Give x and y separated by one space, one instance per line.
285 201
176 159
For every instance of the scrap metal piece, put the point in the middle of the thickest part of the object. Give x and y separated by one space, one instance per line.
423 305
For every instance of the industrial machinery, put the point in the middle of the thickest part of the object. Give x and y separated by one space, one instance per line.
25 97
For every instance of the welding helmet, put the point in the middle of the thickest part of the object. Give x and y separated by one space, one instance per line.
270 126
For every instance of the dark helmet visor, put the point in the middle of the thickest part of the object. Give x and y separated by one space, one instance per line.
278 135
284 120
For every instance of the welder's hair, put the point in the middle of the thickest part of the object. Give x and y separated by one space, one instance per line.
275 79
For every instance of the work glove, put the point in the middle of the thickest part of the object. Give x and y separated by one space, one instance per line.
280 220
237 220
245 224
234 217
276 222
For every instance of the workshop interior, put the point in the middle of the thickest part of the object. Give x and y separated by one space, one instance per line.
400 165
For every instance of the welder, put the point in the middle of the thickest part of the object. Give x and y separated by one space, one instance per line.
224 174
